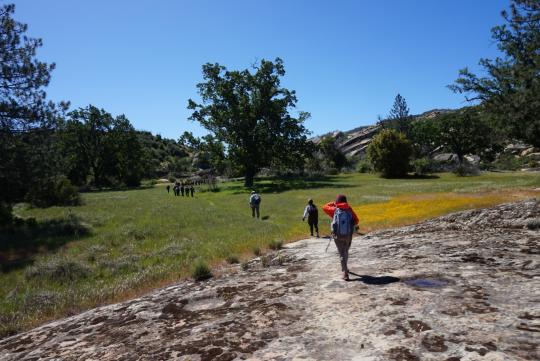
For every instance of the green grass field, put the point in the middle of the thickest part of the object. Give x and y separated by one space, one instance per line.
123 243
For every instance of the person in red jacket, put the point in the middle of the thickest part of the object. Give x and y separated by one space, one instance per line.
344 238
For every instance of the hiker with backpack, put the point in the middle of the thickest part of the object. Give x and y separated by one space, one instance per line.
344 222
254 202
312 215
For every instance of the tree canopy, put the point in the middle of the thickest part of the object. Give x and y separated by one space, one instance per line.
26 117
249 112
510 90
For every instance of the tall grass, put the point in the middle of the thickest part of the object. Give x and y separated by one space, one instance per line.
145 238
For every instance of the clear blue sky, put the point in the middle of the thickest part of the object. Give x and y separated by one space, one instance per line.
346 59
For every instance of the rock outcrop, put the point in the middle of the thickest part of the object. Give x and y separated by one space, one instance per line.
460 287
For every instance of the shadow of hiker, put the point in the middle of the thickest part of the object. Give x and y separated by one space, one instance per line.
264 218
371 280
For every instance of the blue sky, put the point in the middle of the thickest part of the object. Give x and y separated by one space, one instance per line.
346 59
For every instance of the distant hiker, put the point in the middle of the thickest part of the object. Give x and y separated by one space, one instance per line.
192 190
182 189
312 215
168 188
175 190
344 221
254 202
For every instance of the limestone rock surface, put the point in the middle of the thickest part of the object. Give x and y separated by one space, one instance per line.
465 286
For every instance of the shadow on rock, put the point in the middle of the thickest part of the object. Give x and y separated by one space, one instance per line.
373 280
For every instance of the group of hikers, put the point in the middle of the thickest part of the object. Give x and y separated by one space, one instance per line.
344 223
181 189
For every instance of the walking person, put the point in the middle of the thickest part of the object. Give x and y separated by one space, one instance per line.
168 188
312 215
254 202
182 189
192 190
176 190
344 221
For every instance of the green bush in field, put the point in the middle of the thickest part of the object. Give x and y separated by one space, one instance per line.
275 244
390 152
200 271
422 166
58 270
55 191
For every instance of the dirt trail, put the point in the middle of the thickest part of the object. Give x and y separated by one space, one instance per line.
460 287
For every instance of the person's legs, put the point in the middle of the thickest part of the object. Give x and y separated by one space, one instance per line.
343 249
316 224
257 209
310 228
253 211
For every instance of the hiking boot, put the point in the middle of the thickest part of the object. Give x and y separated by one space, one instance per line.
345 276
317 235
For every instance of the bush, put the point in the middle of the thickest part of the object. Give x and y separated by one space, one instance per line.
422 166
256 251
275 245
390 152
56 191
364 166
200 271
58 269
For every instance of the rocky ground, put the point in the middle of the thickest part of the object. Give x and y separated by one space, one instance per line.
460 287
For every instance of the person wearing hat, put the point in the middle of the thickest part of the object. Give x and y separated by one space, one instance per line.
254 202
312 215
344 221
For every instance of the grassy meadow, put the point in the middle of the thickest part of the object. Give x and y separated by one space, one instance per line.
119 244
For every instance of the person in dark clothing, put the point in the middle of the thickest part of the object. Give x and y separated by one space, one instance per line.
254 203
168 188
312 215
182 189
192 190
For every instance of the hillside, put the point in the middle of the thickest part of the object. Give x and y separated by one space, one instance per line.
355 141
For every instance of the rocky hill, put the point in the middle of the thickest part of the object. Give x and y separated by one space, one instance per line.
355 141
460 287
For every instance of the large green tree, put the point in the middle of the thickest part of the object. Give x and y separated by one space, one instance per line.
103 150
510 90
249 112
464 132
27 119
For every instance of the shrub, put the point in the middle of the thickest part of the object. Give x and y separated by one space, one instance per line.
265 261
256 251
58 269
56 191
200 271
232 259
275 245
422 166
364 166
390 152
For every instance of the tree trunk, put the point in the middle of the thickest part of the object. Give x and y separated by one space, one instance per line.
250 174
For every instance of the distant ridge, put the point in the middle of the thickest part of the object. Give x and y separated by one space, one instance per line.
355 141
